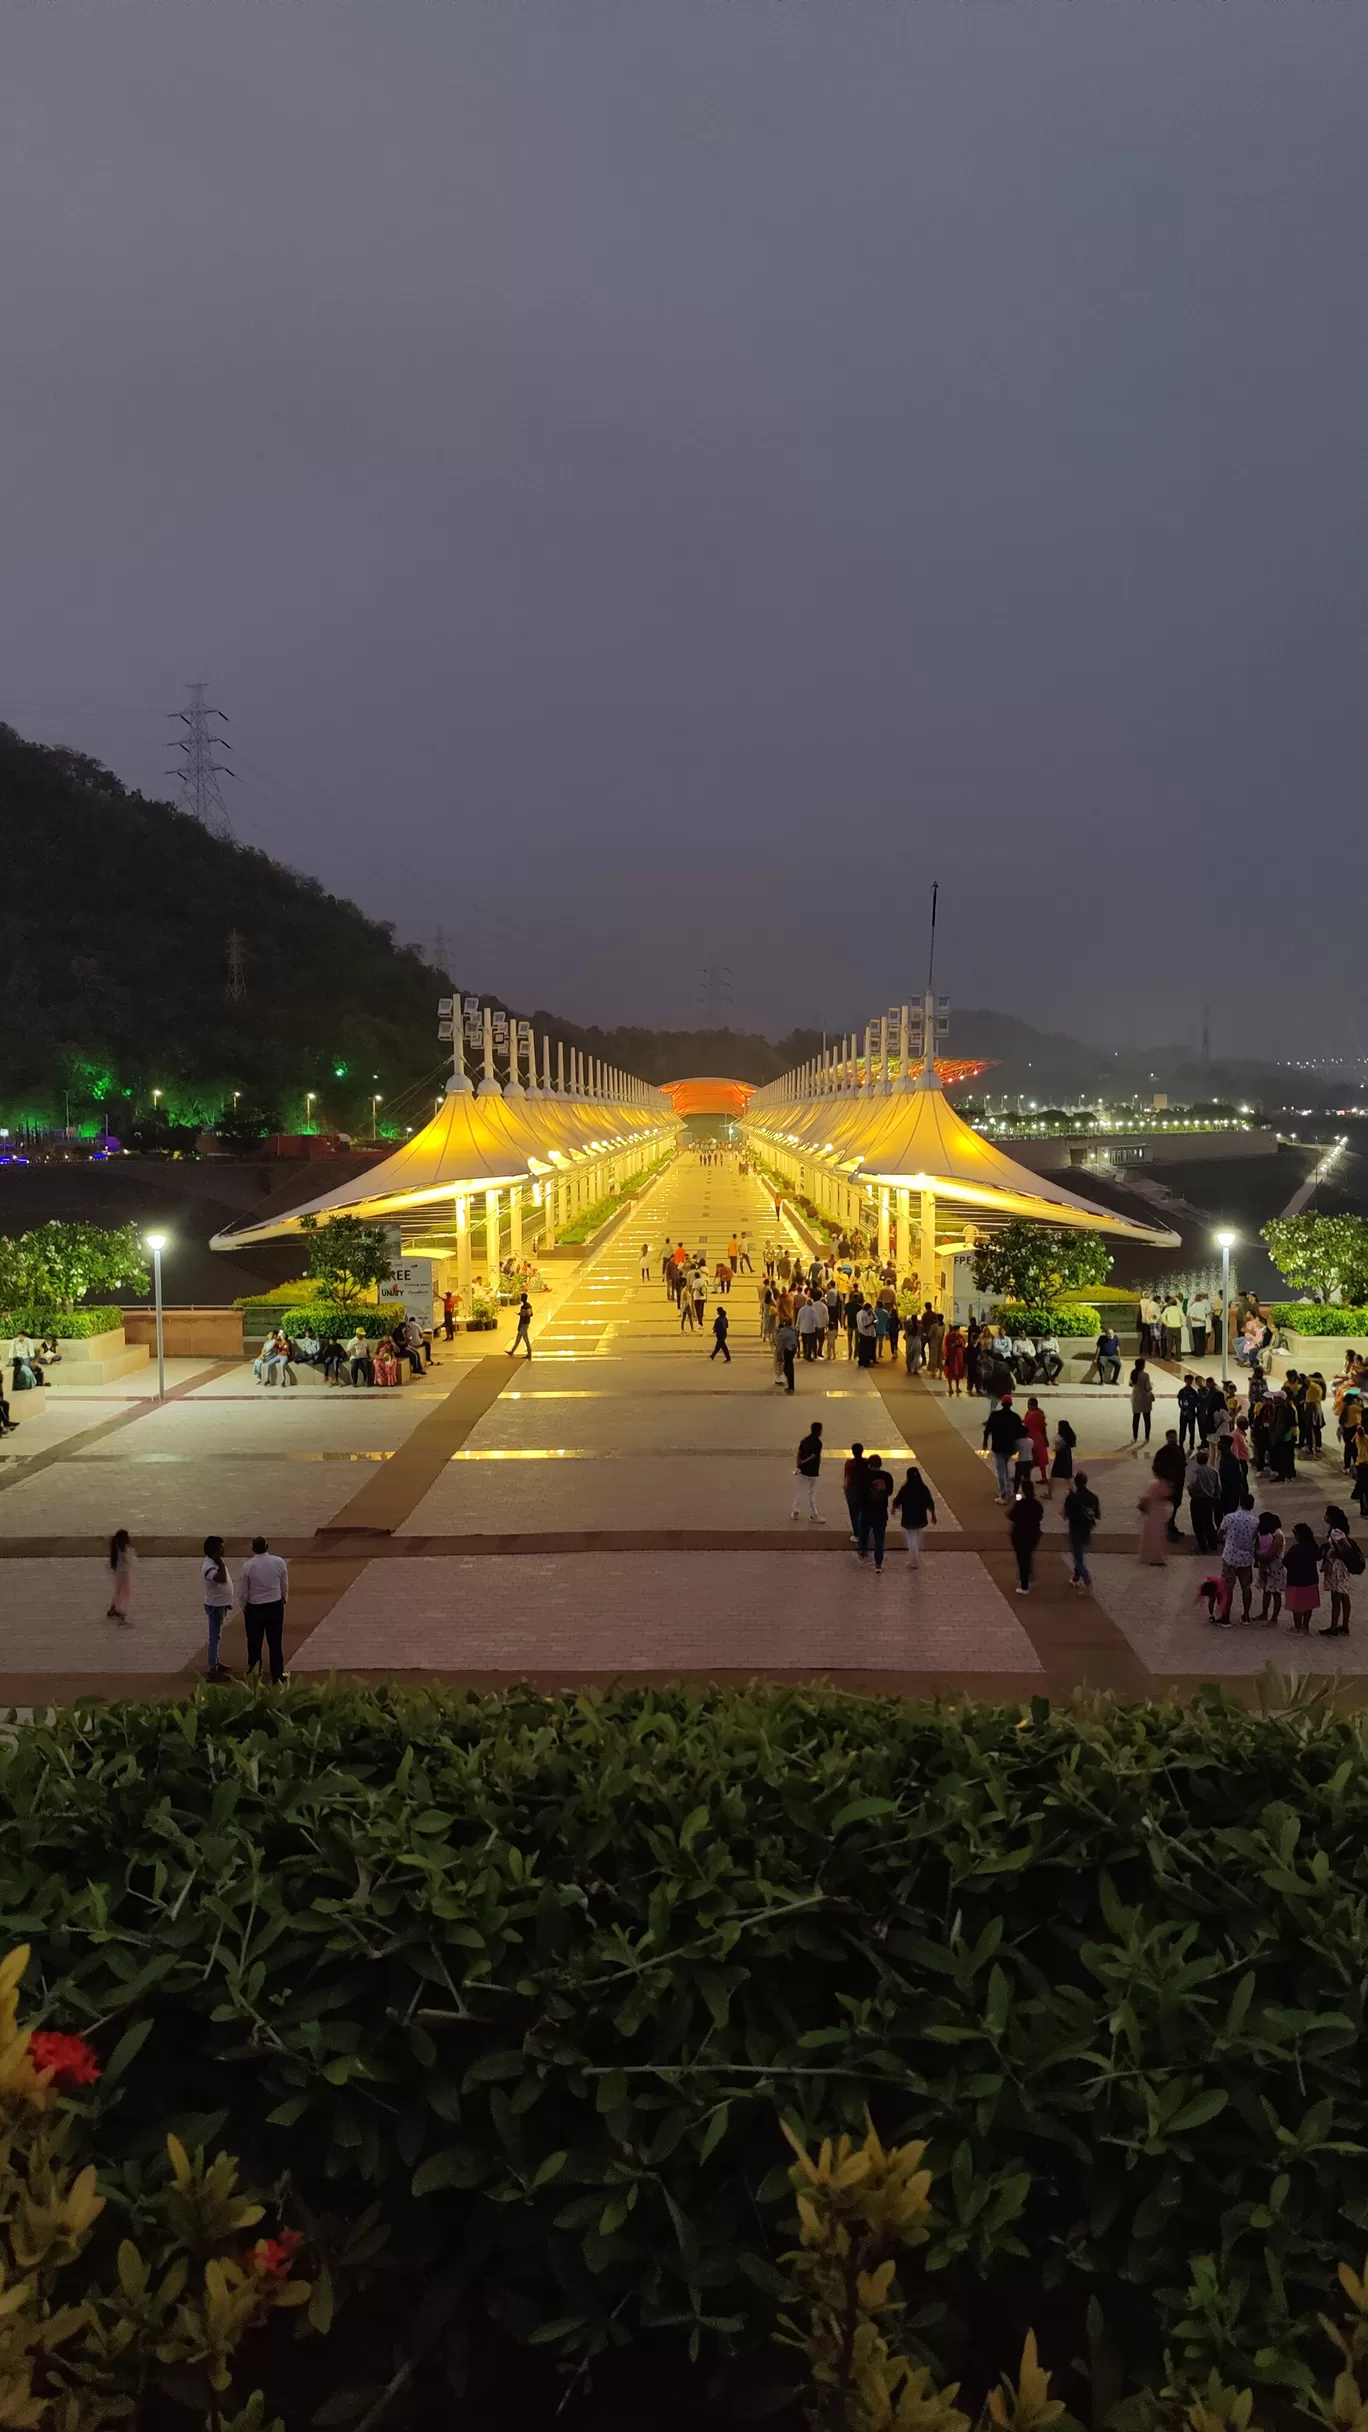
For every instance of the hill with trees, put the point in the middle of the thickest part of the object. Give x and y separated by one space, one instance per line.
120 912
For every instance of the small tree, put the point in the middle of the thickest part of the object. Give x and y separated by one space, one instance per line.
59 1264
1034 1263
1320 1254
344 1256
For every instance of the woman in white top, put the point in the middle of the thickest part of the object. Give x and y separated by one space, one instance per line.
219 1600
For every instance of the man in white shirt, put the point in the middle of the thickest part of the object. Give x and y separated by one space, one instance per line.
807 1330
263 1587
1238 1533
1199 1318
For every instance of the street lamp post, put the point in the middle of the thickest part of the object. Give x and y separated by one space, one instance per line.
156 1243
309 1096
1225 1243
376 1101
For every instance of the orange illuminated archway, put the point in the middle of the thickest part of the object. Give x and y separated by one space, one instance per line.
707 1095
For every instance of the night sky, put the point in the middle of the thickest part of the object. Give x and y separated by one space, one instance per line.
660 478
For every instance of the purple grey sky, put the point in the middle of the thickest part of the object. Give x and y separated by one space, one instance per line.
650 478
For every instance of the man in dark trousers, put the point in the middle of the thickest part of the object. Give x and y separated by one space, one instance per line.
1204 1499
873 1520
1170 1464
263 1586
720 1324
807 1470
1001 1429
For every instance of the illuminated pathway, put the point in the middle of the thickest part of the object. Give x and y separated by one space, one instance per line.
619 1505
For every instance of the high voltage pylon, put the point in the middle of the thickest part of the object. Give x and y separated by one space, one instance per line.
715 992
199 772
237 976
440 957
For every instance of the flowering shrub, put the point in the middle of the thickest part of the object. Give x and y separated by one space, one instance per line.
85 2338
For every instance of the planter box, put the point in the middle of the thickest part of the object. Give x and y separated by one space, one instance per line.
95 1359
188 1333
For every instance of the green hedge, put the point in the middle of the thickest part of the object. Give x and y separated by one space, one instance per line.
1320 1317
323 1321
77 1325
1074 1318
513 1991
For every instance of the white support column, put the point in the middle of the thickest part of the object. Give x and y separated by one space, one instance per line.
463 1252
515 1211
905 1231
491 1200
930 1273
885 1241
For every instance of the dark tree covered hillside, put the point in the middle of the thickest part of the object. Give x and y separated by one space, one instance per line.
119 912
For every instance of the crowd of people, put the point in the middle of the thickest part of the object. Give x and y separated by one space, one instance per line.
260 1595
363 1359
871 1498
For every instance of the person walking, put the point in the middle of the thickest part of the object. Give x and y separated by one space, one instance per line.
1001 1429
785 1348
699 1289
913 1344
807 1469
1034 1423
1024 1526
1141 1400
645 1262
1156 1510
721 1322
123 1561
264 1587
873 1521
852 1487
218 1603
1204 1500
524 1333
449 1316
1170 1464
950 1359
1340 1562
1187 1414
914 1505
807 1330
684 1293
1062 1466
1082 1511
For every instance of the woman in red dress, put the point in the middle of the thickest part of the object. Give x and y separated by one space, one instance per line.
953 1358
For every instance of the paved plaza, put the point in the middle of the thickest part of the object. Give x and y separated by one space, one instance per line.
617 1506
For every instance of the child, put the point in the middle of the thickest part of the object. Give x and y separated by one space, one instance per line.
1217 1595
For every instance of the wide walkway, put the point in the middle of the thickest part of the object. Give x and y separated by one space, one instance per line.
619 1505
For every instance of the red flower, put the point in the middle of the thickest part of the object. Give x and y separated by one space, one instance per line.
271 2258
69 2057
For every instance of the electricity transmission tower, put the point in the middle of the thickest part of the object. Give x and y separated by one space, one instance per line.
440 957
199 772
715 992
237 976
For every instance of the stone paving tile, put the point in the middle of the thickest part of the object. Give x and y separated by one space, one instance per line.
740 1415
55 1421
52 1617
275 1427
1158 1612
653 1612
179 1498
139 1385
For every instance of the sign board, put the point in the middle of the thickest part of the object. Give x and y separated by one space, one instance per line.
411 1280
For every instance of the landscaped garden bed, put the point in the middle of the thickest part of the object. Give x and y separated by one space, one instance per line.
506 1998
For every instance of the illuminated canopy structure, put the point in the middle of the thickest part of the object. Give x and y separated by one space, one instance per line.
850 1129
708 1095
540 1150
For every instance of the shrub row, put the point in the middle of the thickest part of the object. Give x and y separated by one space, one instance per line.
1069 1317
514 1990
77 1325
323 1321
1321 1317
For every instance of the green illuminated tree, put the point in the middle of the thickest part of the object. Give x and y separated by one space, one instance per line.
344 1256
1034 1263
59 1264
1321 1254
